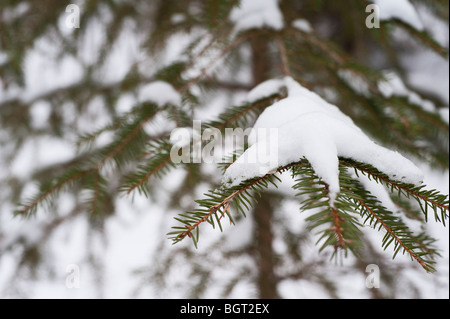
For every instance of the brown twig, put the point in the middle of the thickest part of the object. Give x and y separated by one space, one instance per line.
284 57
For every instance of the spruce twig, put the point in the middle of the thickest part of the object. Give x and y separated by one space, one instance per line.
343 233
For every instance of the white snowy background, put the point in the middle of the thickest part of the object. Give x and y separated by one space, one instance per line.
131 236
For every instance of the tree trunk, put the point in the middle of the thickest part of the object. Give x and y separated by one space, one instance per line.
260 60
263 211
265 256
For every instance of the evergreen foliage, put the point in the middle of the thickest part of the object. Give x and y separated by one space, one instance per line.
336 62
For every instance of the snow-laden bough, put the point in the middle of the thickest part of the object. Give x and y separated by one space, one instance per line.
310 127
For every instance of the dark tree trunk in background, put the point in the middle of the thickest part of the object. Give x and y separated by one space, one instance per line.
263 212
265 256
261 60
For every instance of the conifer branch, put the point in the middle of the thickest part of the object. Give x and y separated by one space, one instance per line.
160 151
50 190
399 242
129 133
159 161
219 202
239 116
284 56
222 207
423 36
96 191
397 231
148 175
431 198
344 232
236 42
337 228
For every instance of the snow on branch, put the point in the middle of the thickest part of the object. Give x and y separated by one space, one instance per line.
310 127
319 145
257 14
338 224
